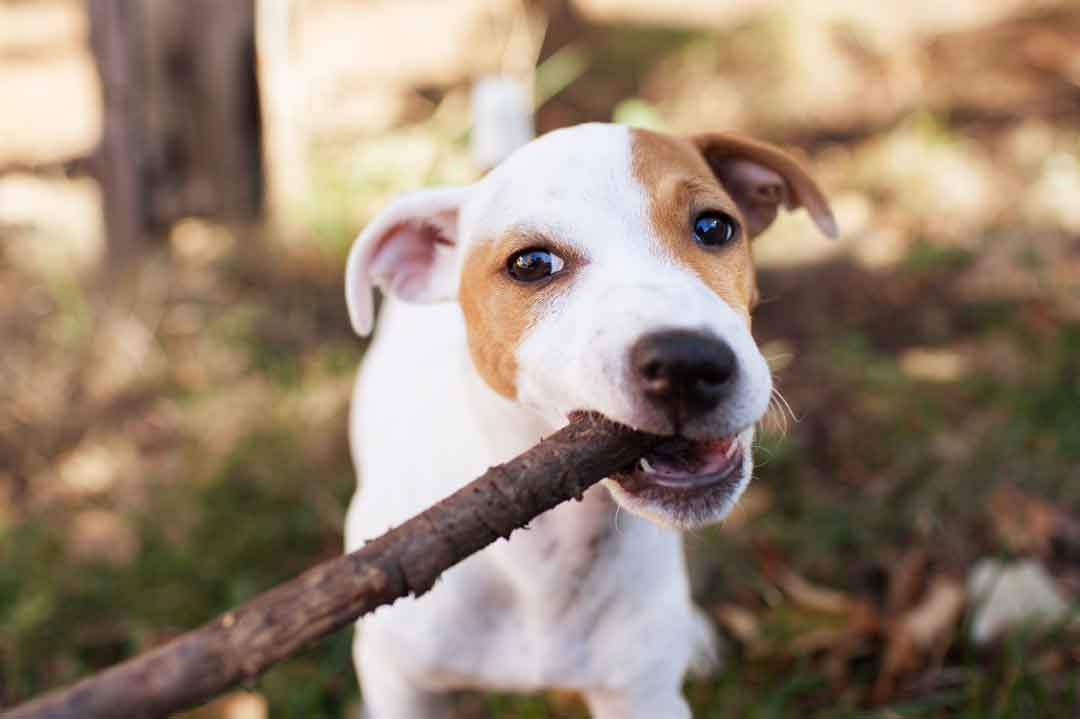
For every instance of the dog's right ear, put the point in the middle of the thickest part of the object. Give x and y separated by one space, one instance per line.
407 251
761 179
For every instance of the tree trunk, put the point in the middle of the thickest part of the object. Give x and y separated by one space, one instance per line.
115 40
182 124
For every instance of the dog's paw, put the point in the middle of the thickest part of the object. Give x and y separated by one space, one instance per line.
706 659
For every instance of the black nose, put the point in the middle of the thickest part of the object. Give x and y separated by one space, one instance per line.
686 373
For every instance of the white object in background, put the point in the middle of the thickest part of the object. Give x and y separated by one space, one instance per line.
502 119
1010 595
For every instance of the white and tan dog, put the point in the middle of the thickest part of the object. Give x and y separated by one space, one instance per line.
598 268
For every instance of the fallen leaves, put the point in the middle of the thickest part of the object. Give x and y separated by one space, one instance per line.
909 627
239 705
934 365
1026 525
923 631
801 618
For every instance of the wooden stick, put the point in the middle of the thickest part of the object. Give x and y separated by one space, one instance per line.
243 643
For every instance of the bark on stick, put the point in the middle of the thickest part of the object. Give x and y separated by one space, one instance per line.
241 644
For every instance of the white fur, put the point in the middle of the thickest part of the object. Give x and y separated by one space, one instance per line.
588 598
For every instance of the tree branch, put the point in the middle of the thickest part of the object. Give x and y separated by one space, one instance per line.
243 643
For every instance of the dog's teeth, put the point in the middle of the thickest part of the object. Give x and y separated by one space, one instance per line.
732 448
645 466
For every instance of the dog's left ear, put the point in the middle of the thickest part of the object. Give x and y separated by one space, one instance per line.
762 178
407 251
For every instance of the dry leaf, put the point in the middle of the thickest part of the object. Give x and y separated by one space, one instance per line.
913 634
797 588
739 623
1028 525
241 705
907 579
814 597
934 364
935 616
808 618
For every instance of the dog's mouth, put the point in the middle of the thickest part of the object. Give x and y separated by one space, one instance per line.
681 465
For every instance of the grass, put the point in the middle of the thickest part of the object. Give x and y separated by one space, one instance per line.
240 521
857 479
255 507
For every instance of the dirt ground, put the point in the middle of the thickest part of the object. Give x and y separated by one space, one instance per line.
173 435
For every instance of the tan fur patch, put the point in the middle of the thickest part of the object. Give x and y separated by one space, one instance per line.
680 185
497 310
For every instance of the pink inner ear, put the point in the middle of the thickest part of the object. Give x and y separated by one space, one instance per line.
403 259
759 191
755 182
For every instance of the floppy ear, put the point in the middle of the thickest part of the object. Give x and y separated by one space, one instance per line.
761 178
407 251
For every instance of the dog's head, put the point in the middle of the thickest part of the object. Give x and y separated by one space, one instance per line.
609 269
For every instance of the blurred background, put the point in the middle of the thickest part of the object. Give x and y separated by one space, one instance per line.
180 182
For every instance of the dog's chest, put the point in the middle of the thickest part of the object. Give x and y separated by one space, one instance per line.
556 605
569 558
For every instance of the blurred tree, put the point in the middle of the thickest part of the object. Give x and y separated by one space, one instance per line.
182 125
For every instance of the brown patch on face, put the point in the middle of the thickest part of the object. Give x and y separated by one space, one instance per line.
680 185
498 311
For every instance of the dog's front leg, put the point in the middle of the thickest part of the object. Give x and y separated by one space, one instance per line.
387 693
638 703
389 696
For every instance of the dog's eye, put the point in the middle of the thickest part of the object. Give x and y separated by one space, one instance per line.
715 229
533 265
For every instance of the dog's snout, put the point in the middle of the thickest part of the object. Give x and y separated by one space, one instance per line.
686 373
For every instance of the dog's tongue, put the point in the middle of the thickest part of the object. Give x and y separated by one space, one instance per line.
686 457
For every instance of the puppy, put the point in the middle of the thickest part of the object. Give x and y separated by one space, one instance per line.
597 268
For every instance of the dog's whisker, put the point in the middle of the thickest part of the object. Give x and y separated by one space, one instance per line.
775 419
778 414
783 400
769 454
761 448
